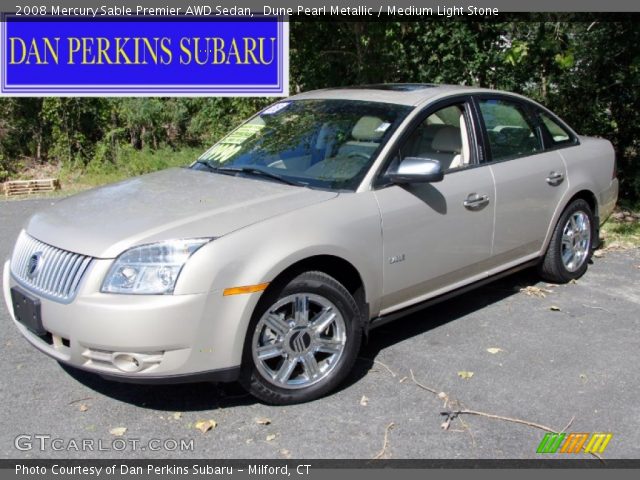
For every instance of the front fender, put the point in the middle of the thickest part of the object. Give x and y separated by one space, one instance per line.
347 227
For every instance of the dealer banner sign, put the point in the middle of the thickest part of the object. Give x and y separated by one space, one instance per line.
230 56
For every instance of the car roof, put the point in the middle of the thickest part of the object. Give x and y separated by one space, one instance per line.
399 93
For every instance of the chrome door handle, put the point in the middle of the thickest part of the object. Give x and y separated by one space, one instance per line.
475 201
555 178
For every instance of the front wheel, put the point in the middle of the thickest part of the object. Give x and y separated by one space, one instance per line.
570 247
303 340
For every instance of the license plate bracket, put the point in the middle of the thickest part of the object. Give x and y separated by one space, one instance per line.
27 308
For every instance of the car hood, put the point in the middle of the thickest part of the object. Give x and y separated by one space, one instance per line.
174 203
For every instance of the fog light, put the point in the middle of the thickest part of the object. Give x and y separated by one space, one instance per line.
127 362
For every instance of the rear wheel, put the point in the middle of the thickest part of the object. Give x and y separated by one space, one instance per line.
571 244
302 341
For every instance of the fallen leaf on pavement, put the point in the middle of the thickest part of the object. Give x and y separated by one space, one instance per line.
118 431
615 246
554 308
83 407
494 350
364 401
532 291
205 425
465 375
271 437
263 421
177 415
285 453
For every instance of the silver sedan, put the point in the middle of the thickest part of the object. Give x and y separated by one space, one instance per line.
321 217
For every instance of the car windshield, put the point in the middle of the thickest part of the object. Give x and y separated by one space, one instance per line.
317 143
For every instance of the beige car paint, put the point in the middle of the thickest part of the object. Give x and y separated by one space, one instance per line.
443 242
173 203
525 203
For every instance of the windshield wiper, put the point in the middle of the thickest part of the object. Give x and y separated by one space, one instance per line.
258 171
209 167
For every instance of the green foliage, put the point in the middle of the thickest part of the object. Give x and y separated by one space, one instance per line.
588 72
131 162
22 133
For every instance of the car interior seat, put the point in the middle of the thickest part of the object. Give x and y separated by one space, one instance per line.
448 144
365 137
354 154
446 147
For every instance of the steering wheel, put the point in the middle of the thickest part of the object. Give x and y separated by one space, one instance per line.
356 153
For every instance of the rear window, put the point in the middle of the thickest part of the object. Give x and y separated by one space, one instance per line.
557 133
510 134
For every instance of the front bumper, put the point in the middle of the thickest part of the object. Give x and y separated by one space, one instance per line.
142 338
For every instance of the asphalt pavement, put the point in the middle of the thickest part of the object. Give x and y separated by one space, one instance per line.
550 355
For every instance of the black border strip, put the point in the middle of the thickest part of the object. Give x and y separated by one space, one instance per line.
555 463
259 16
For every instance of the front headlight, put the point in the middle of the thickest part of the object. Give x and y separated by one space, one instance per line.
150 269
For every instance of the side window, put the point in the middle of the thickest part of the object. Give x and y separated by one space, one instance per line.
557 132
510 134
442 136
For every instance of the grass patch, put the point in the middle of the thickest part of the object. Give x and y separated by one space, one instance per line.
131 163
621 233
618 231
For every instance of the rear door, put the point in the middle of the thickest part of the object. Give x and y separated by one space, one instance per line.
436 234
530 181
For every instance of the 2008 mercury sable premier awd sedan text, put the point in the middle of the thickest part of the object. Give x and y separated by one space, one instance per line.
322 216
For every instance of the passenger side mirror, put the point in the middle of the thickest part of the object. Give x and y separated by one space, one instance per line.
417 170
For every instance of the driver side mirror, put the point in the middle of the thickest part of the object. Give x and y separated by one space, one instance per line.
417 170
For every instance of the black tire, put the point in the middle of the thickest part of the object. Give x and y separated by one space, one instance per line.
552 268
316 284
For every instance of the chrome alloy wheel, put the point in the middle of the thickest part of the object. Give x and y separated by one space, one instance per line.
299 340
576 241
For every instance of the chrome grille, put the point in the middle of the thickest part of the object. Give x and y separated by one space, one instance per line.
52 272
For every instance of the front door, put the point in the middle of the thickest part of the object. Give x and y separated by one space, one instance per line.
436 235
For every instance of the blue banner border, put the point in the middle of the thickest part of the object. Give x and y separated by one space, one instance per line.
276 90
